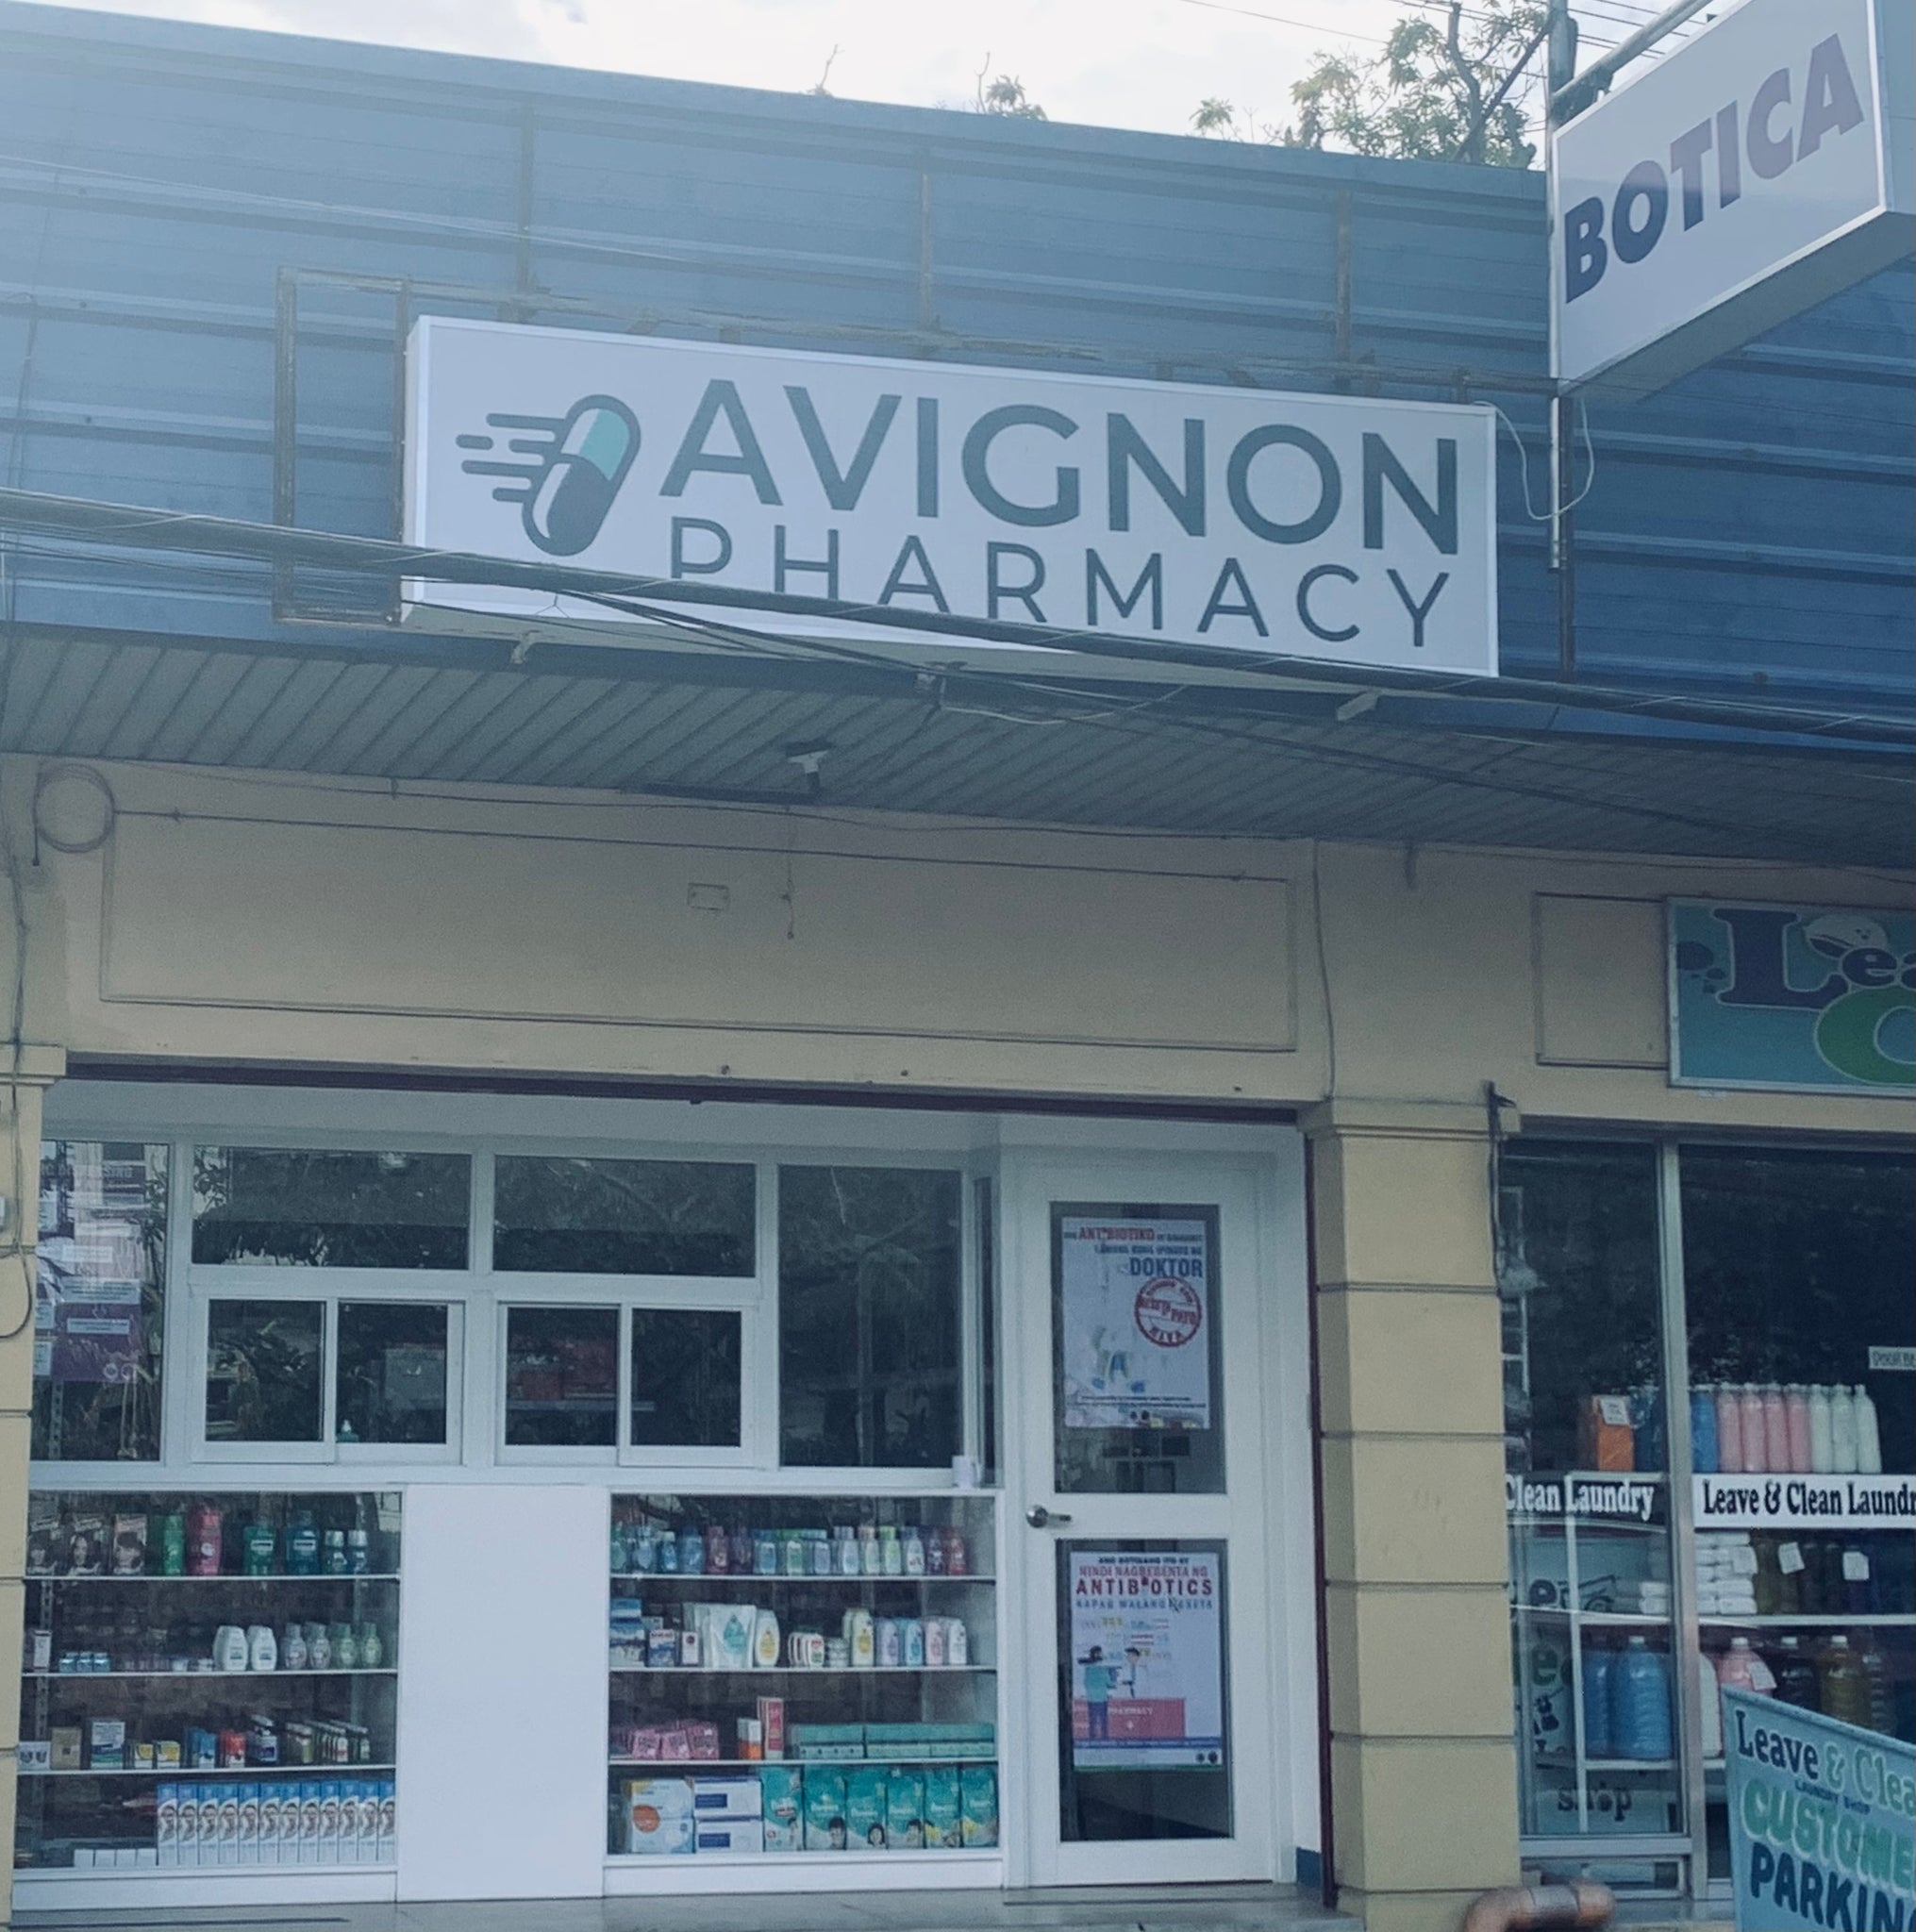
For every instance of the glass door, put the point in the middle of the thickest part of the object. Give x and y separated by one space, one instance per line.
1134 1296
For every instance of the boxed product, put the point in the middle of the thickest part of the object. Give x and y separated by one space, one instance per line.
781 1791
388 1820
942 1806
308 1821
827 1740
246 1826
106 1744
772 1724
978 1805
865 1808
271 1807
34 1757
658 1816
824 1809
730 1835
328 1847
166 1824
128 1554
1605 1439
226 1827
904 1809
727 1797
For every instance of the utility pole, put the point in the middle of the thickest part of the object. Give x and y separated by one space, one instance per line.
1561 32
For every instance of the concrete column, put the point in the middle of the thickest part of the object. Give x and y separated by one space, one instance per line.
1424 1771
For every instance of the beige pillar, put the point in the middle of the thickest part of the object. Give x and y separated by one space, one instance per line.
1424 1775
20 1105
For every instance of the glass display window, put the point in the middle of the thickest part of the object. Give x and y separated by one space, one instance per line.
329 1207
100 1301
210 1681
562 1214
790 1674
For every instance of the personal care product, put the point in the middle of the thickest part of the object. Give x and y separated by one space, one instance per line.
1869 1432
978 1805
1822 1433
781 1791
1776 1428
772 1724
1756 1441
717 1796
129 1553
204 1540
905 1808
941 1827
263 1648
865 1808
731 1835
825 1828
766 1644
1729 1429
1796 1412
1843 1430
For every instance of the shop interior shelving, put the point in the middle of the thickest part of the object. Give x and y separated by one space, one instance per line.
879 1694
155 1633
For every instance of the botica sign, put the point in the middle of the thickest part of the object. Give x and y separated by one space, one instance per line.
1272 522
1756 169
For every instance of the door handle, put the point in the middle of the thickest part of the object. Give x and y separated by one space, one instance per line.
1038 1516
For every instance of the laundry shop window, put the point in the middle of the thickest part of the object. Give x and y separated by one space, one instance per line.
870 1317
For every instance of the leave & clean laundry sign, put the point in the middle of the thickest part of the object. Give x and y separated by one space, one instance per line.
1263 521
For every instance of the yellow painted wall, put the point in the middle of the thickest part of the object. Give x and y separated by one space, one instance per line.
234 917
230 917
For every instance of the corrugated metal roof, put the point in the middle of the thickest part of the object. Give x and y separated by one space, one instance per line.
1747 530
1193 762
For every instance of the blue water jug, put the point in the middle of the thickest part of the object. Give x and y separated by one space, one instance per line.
1703 1455
1640 1703
1598 1667
1646 1426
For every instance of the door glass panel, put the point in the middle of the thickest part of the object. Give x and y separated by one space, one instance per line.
1138 1382
1144 1703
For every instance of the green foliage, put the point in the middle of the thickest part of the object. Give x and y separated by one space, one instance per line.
1440 91
1006 95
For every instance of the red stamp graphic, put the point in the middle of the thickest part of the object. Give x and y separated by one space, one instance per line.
1169 1312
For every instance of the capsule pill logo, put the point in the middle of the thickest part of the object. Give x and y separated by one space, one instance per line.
567 472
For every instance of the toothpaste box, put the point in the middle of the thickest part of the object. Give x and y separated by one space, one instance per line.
246 1833
388 1820
308 1821
781 1791
166 1824
771 1726
269 1808
228 1826
328 1847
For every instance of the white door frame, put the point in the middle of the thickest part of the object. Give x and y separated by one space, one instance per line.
1265 1517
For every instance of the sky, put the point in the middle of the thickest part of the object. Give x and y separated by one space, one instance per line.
1122 63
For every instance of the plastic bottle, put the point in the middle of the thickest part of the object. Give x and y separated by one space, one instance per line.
1843 1431
1709 1705
1795 1675
1776 1428
1646 1427
303 1546
1842 1689
292 1654
1750 1407
767 1646
1703 1447
1640 1703
1740 1668
1854 1568
1868 1434
1821 1445
1796 1405
372 1647
1597 1666
263 1648
1729 1429
1881 1692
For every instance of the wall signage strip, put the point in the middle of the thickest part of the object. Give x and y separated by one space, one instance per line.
1805 1502
1332 527
1816 998
1757 168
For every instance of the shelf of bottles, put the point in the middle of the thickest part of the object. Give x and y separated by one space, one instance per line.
802 1675
209 1681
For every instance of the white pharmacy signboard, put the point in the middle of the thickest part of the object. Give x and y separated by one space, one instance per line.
1277 524
1757 168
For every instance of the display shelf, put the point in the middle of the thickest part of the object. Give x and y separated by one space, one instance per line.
206 1676
800 1861
757 1579
173 1770
671 1671
1621 1618
692 1767
224 1576
1786 1620
1568 1758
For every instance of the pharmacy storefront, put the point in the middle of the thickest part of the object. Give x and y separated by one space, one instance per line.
820 1497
